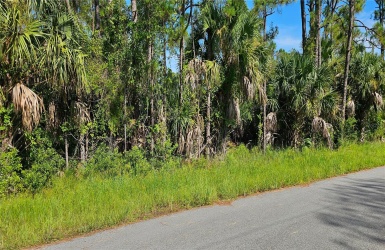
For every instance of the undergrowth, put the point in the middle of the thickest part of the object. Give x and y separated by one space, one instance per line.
78 204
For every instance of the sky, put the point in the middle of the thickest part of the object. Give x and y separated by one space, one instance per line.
288 20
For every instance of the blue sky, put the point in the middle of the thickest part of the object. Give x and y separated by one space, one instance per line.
288 20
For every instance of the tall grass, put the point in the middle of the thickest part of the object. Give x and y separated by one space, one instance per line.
74 206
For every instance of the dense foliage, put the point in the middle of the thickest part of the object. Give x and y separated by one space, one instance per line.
119 87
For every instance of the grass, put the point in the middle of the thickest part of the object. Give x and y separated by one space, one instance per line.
75 206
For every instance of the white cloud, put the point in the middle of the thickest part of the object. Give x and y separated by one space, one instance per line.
288 42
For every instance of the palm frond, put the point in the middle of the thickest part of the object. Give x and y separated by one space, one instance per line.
29 104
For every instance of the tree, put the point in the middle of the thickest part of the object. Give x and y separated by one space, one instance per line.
303 27
379 16
303 92
348 56
366 82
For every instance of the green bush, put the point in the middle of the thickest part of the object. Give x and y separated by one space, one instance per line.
10 169
43 162
138 161
46 163
351 129
106 162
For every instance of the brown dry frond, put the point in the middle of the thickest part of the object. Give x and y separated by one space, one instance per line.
29 104
181 144
195 71
198 66
82 113
234 111
249 88
189 142
52 120
319 125
378 100
194 139
271 122
350 108
269 138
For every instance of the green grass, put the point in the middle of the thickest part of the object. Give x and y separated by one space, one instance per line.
74 206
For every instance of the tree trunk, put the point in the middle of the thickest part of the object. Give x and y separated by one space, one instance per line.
82 148
125 117
210 56
181 52
134 20
66 150
381 10
303 19
68 5
318 38
151 86
86 147
311 41
317 31
164 97
208 122
264 22
347 58
264 116
134 11
97 14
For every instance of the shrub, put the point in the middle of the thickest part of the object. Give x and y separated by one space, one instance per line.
351 129
43 162
106 162
46 163
10 168
138 161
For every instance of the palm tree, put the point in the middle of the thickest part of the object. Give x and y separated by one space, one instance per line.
303 93
41 35
367 82
20 36
241 45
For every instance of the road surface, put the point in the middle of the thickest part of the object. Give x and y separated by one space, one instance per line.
346 212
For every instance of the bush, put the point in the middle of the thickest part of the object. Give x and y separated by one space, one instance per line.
43 162
351 129
46 163
106 162
10 169
138 161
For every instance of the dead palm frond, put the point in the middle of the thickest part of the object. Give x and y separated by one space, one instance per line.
193 144
249 88
29 104
271 122
195 72
350 108
234 111
269 138
320 126
82 113
52 120
181 144
378 100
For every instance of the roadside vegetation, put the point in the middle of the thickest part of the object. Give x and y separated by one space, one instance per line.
114 110
104 198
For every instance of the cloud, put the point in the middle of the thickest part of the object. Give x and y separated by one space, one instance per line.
288 42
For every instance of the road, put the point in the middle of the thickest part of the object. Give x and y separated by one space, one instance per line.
345 212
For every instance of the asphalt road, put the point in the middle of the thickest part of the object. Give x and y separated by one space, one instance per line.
340 213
